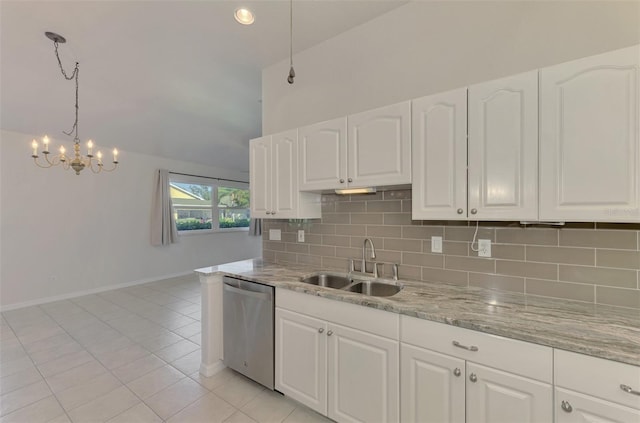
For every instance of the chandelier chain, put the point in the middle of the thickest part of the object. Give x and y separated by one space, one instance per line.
74 75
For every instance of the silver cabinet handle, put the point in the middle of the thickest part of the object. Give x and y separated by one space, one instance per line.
457 372
330 333
473 378
474 211
566 406
320 330
267 212
460 211
342 181
459 345
628 389
350 180
272 212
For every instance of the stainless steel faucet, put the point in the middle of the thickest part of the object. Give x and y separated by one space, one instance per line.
363 266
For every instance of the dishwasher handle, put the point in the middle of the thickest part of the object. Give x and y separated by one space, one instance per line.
264 296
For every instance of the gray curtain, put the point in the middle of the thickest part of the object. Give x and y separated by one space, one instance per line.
255 227
163 224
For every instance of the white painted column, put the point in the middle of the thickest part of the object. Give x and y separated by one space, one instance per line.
212 347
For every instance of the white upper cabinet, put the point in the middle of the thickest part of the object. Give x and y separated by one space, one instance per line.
440 156
284 172
488 171
260 176
323 155
589 141
274 179
372 148
379 146
503 148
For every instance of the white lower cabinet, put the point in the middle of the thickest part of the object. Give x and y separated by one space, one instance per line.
453 375
376 366
432 387
494 396
590 389
348 372
301 359
574 407
363 376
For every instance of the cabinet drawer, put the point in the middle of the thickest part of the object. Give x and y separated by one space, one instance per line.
510 355
371 320
598 377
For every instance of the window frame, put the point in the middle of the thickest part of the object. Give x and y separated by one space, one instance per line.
214 184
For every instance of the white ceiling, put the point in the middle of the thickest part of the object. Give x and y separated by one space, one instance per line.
179 79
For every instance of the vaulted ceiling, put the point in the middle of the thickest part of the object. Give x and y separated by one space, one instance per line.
178 79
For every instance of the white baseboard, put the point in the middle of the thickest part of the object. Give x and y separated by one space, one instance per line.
208 370
76 294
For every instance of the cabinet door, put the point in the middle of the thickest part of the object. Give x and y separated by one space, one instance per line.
284 171
301 359
380 146
503 148
572 407
494 396
363 376
432 387
439 167
589 142
323 155
260 176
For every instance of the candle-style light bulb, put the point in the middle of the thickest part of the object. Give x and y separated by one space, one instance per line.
45 141
99 158
62 150
115 155
89 148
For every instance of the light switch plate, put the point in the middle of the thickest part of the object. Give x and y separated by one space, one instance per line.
484 248
436 244
300 235
275 235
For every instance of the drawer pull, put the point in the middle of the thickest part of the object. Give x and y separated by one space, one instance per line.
459 345
566 406
320 330
330 333
473 378
629 390
457 372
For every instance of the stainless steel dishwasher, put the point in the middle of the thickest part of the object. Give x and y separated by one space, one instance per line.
248 329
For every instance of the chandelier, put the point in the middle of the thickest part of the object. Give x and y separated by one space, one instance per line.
77 162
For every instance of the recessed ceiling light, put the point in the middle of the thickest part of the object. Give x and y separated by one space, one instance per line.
244 16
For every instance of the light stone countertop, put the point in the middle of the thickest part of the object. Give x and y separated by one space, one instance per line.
600 331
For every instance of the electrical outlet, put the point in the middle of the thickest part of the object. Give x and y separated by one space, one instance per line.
436 244
275 235
484 248
300 235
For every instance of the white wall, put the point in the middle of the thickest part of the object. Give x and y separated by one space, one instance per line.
426 47
62 234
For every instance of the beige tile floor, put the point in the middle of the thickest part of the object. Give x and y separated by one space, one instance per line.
128 355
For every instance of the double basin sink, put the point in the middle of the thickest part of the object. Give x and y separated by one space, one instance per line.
353 283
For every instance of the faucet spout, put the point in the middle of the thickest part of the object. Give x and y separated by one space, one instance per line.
363 266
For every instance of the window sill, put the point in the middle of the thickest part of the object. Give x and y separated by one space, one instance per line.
211 231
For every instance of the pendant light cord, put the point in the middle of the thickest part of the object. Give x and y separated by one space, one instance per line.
74 75
292 73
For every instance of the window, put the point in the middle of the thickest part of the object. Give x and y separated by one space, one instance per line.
208 205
